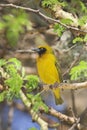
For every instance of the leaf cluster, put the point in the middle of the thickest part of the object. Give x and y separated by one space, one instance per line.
75 7
79 72
82 20
52 3
80 39
10 70
14 79
14 24
32 82
59 29
37 102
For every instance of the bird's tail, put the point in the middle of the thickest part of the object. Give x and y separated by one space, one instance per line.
58 99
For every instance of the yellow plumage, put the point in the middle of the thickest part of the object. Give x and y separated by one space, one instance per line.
48 69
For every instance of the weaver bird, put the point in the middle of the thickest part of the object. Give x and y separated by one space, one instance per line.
48 69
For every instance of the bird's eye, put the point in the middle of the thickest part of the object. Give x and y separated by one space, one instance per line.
42 50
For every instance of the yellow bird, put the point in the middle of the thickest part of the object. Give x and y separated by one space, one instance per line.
48 69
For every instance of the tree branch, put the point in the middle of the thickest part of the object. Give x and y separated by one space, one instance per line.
62 117
35 116
72 86
66 86
51 111
48 19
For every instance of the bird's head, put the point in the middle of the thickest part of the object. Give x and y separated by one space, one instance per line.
42 49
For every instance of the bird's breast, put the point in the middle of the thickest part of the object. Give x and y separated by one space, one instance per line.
47 69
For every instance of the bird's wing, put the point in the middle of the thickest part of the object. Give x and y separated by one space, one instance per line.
59 70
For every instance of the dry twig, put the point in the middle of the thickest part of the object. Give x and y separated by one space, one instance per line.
46 18
72 64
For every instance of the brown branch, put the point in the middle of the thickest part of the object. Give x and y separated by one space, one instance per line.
48 19
65 86
75 122
73 86
44 125
51 111
62 117
51 122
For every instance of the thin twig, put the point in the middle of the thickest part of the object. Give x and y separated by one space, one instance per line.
72 112
72 64
69 49
76 125
48 19
63 51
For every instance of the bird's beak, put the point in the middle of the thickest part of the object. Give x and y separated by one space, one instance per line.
33 50
37 50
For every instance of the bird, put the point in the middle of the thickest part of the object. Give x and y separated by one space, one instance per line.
48 69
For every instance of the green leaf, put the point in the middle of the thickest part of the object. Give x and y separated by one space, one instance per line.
78 39
83 7
32 82
79 72
82 20
2 96
2 25
37 102
11 78
2 62
15 23
51 3
59 29
46 3
11 70
23 72
14 83
8 17
85 38
67 21
12 66
16 62
12 36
